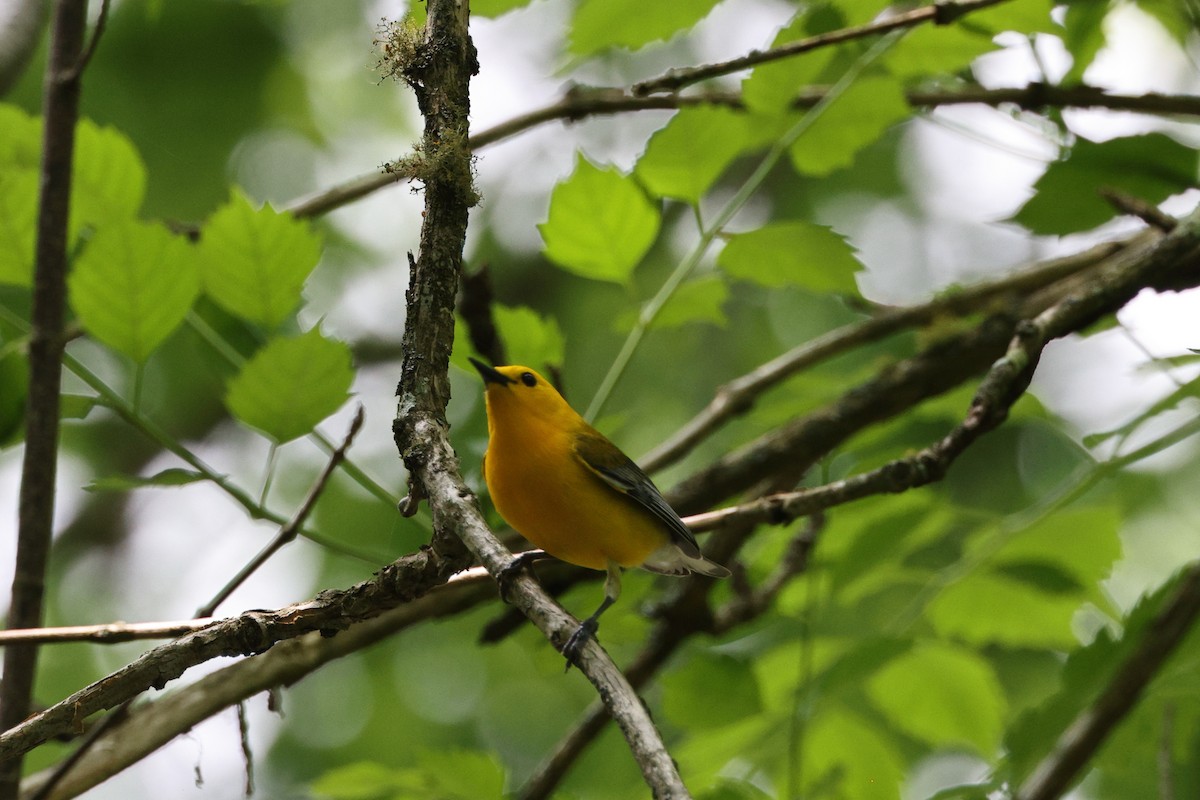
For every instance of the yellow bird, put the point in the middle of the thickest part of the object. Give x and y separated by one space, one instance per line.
565 487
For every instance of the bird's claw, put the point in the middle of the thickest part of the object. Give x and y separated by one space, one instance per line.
509 574
575 643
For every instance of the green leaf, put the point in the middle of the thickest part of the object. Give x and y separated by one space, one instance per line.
1151 167
1173 16
20 139
291 384
14 383
943 695
846 757
166 479
988 608
364 780
76 406
254 262
689 699
600 223
771 88
461 774
1024 16
1083 543
698 300
529 337
1083 34
937 50
870 106
18 216
109 179
133 285
601 24
686 157
495 8
792 253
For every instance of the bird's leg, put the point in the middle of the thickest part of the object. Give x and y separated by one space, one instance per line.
587 629
505 578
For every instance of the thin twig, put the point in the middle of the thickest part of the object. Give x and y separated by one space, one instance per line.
35 515
294 525
738 396
1084 737
582 103
939 13
94 42
1137 207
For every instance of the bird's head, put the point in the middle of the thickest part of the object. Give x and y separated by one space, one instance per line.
516 391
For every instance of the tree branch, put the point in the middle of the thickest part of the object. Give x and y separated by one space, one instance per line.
1084 737
738 396
60 100
942 13
150 727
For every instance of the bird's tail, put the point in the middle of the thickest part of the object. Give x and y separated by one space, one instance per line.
673 561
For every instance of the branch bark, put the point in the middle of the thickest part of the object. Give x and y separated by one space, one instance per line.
60 100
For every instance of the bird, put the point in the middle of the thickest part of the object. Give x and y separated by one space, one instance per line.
570 491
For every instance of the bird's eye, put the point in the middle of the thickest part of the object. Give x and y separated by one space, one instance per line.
528 379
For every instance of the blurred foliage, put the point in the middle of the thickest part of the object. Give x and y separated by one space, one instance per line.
952 631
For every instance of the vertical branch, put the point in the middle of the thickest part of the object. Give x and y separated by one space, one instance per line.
439 70
36 503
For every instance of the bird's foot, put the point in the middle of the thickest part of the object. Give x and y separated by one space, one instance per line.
577 640
507 575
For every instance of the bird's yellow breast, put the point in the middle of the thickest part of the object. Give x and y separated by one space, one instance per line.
542 489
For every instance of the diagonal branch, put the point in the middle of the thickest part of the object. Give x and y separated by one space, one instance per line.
738 396
942 13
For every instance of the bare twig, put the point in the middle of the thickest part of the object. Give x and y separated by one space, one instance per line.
294 525
1137 207
475 308
1060 768
155 724
39 468
583 102
738 396
93 43
939 13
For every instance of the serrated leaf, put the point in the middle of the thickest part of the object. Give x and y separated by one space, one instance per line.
870 106
109 179
291 384
18 216
792 253
684 158
254 261
166 479
1024 16
937 50
987 608
1151 167
772 87
963 705
133 285
601 224
529 337
1083 543
600 24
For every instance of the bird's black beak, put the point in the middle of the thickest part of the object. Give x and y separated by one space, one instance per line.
490 375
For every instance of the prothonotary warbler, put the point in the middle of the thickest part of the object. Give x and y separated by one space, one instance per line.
565 487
